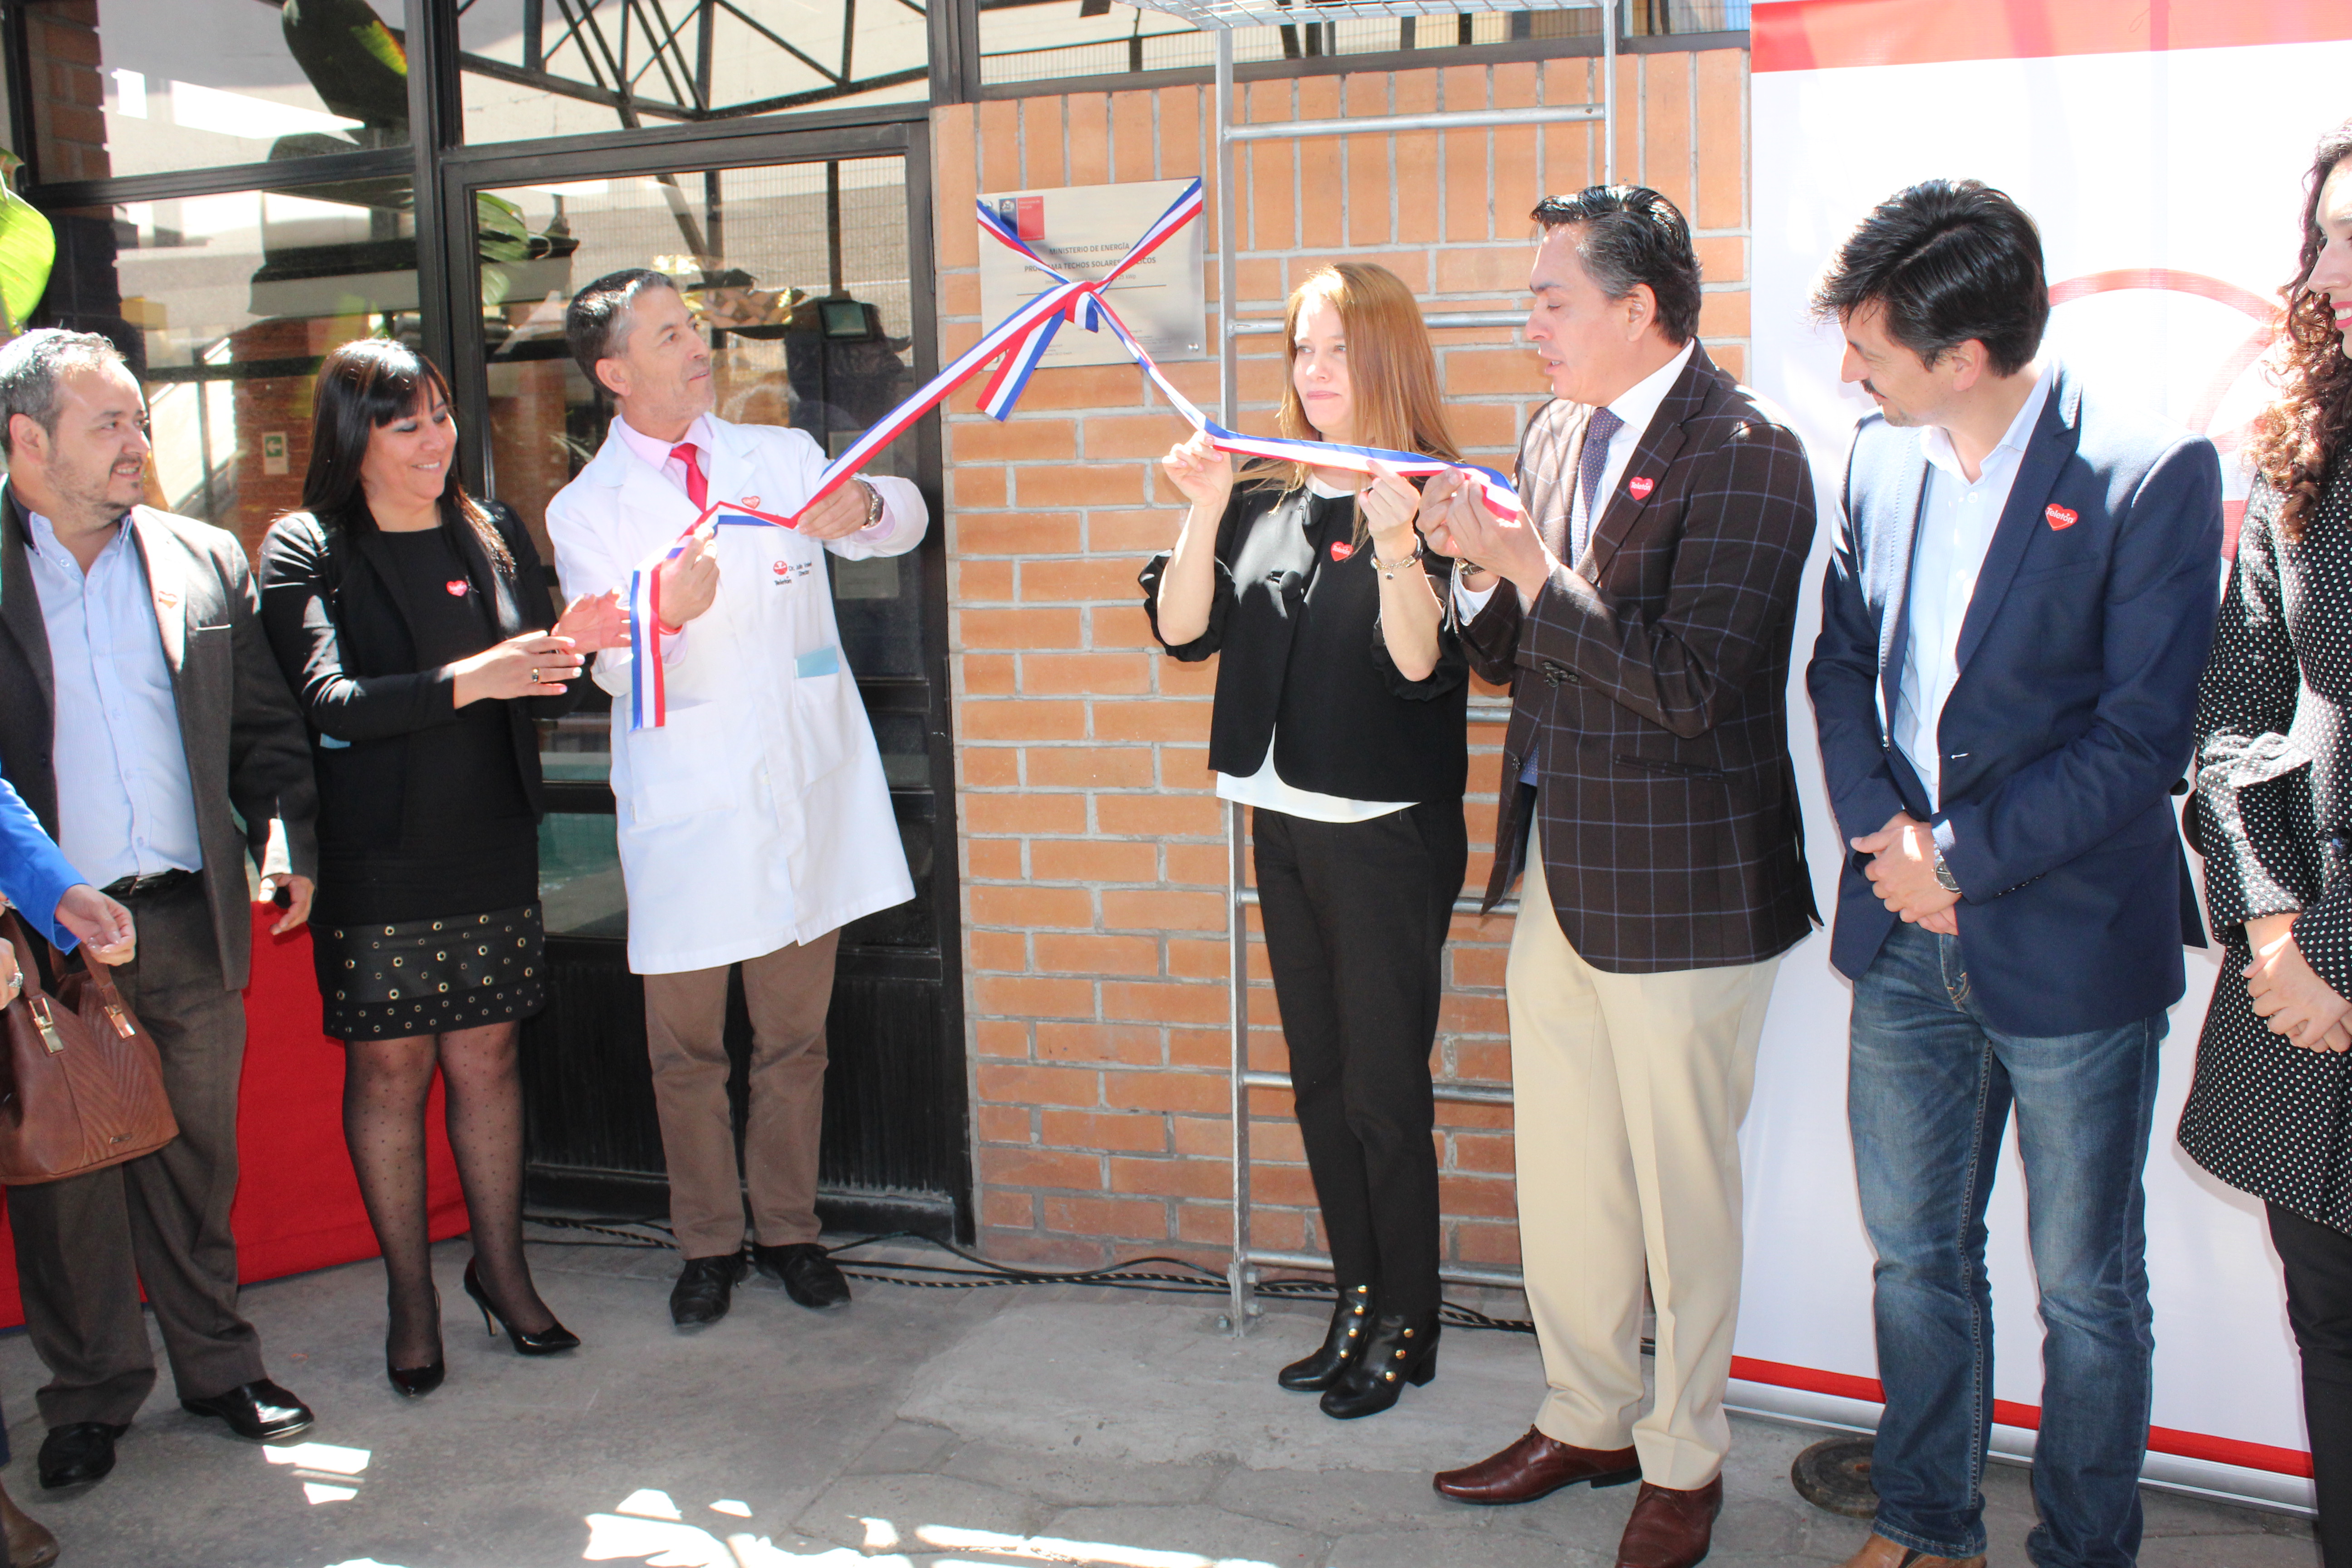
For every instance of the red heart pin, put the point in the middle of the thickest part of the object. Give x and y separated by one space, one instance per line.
1342 550
1640 489
2060 517
457 586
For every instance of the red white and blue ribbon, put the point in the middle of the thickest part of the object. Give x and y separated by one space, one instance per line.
647 695
1017 345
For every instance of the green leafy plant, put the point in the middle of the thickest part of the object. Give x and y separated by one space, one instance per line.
29 249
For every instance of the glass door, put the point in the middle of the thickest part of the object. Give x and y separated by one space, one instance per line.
798 258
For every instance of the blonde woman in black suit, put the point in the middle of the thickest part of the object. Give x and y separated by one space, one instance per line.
1339 721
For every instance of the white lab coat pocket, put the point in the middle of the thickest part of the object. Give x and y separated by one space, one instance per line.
684 768
826 711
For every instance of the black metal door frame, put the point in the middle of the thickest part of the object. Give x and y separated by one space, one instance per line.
900 131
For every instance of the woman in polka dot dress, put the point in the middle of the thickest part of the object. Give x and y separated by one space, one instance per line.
412 624
2272 816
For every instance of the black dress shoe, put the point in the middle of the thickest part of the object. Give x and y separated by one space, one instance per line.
259 1410
705 1290
78 1451
1403 1349
806 1273
1351 1326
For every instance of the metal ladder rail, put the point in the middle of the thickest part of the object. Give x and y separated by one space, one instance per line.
1241 1278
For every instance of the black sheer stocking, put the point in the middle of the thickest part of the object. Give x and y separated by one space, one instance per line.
386 1084
485 1094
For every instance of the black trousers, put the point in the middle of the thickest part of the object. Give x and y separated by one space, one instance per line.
1356 918
2319 1260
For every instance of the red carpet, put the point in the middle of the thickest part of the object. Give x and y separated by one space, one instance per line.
298 1204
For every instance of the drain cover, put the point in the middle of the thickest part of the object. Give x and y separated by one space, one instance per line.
1834 1476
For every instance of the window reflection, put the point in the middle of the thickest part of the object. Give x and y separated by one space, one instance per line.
224 306
535 68
1038 40
130 87
580 888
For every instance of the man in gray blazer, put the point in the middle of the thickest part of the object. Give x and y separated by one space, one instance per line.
144 722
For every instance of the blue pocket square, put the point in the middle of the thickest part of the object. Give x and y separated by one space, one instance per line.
825 661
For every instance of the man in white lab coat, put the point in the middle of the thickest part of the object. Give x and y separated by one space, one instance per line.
756 821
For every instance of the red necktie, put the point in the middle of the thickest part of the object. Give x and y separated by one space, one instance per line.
696 490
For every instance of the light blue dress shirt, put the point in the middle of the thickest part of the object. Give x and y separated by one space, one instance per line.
1957 521
125 805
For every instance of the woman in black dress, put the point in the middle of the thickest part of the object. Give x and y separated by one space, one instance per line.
411 621
2272 816
1340 719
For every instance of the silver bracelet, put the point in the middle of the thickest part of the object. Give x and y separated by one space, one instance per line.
1388 569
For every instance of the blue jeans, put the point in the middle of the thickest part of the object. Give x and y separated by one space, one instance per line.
1929 1089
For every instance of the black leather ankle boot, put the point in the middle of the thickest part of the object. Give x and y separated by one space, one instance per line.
1352 1326
1403 1349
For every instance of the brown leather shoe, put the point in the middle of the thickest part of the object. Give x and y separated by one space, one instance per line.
30 1545
1880 1552
1537 1466
1670 1529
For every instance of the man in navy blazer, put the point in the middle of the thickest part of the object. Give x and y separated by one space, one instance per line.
2020 604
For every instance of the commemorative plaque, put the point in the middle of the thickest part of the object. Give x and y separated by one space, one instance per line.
1084 230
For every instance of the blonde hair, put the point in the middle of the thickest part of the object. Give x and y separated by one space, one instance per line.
1391 369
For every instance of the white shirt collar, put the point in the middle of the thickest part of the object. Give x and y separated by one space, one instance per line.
657 453
1936 442
1638 405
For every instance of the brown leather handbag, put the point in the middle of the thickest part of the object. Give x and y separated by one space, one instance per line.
85 1086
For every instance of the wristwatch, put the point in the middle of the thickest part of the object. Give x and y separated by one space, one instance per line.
872 504
1944 877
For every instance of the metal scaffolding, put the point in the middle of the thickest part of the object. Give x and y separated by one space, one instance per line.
1220 18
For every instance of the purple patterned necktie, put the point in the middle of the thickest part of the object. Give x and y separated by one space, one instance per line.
1598 430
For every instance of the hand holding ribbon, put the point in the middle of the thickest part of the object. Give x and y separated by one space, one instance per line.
1015 346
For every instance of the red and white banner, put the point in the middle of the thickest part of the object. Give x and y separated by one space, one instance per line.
2160 145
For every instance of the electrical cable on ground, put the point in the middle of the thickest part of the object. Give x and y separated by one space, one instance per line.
1128 1274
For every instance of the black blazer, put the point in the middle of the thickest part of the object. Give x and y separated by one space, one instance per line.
334 613
1298 616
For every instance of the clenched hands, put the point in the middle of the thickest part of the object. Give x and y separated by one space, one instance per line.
1902 872
2289 994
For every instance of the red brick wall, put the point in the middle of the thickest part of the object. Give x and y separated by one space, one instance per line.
1093 851
68 97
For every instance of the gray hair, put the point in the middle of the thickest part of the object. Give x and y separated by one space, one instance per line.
31 367
597 323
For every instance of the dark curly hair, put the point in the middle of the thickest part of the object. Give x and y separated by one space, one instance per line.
2296 436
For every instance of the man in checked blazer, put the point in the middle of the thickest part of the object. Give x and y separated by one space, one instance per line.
1644 627
143 719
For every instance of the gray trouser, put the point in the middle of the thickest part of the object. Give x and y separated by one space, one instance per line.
87 1244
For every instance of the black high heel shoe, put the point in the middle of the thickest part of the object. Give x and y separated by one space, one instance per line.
547 1342
1403 1349
1350 1325
417 1381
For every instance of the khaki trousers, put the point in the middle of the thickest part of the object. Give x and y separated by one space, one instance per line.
788 992
1630 1091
